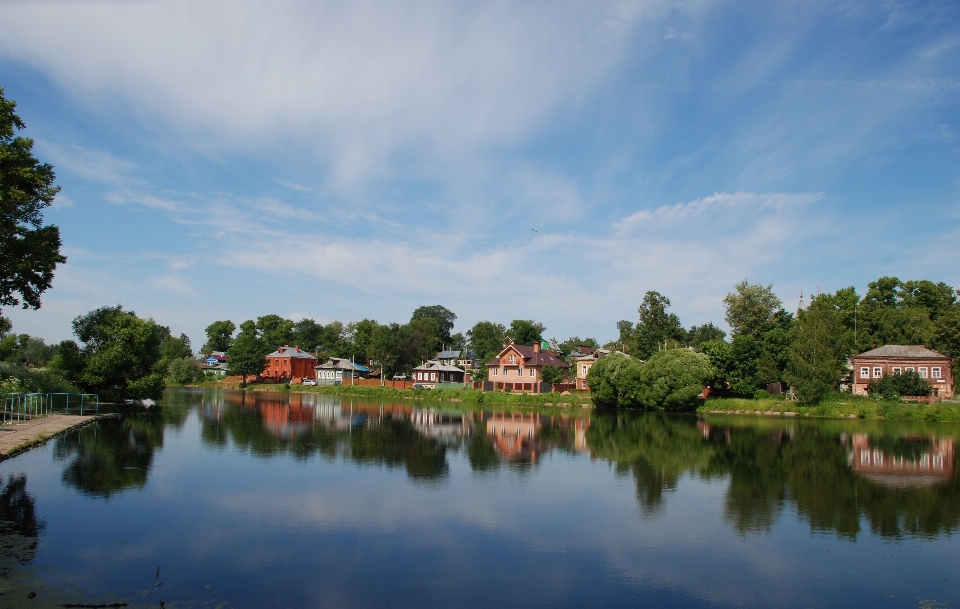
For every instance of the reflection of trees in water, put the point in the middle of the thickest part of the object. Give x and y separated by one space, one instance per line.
19 526
394 441
772 464
482 454
111 455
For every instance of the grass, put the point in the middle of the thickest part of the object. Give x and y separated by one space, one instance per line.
469 396
837 406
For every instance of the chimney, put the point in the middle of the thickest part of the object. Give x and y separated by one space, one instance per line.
536 346
297 347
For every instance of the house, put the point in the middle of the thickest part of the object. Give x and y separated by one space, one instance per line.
937 369
434 371
336 370
215 358
583 363
465 359
288 363
519 367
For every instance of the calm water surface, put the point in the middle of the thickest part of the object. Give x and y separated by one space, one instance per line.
263 500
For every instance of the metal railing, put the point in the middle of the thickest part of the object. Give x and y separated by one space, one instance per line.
19 407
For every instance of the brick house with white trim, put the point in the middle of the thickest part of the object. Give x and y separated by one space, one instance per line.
519 367
872 365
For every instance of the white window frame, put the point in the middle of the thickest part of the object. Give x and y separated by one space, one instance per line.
864 372
877 372
935 372
897 370
512 358
583 370
922 372
495 371
532 372
909 369
433 376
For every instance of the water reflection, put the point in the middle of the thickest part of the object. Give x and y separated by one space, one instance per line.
19 526
896 485
112 455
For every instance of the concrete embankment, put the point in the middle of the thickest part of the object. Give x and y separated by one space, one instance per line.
19 437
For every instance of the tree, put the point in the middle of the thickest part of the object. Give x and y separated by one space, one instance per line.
946 335
184 371
120 358
656 329
275 331
219 336
752 309
575 342
818 352
29 251
247 355
698 336
444 317
552 375
526 331
358 335
674 379
616 381
894 386
486 340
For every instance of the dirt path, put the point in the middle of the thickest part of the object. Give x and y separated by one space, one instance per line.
21 436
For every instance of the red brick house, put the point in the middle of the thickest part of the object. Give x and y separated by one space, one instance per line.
519 367
288 363
897 359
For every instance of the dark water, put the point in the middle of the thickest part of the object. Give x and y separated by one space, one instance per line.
314 501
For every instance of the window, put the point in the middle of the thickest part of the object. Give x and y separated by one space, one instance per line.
935 373
877 372
495 372
865 372
922 371
897 370
583 370
433 376
909 368
512 358
534 374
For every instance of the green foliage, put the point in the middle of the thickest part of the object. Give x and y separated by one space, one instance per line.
443 317
486 340
656 329
29 251
575 342
736 364
752 309
247 355
616 380
946 335
674 379
219 336
120 358
358 336
698 336
175 347
274 331
818 352
552 375
26 350
525 331
892 386
15 378
184 371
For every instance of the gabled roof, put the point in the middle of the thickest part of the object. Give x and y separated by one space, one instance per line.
288 351
448 354
531 358
597 354
906 351
340 363
435 366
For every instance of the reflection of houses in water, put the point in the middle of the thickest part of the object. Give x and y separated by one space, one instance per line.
286 420
932 465
516 435
445 427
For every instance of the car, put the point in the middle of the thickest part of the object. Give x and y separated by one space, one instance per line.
312 382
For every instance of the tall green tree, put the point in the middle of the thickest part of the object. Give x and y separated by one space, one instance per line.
946 335
698 336
818 352
247 355
752 309
444 321
486 340
275 331
120 357
657 329
219 336
526 331
29 251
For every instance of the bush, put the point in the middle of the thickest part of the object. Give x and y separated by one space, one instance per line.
20 379
615 381
893 386
674 379
184 371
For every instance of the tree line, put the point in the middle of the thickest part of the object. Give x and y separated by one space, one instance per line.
807 350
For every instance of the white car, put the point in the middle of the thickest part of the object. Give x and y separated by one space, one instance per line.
312 382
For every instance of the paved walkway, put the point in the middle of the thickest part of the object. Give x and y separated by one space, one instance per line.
15 436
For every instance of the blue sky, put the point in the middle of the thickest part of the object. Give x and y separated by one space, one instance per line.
545 160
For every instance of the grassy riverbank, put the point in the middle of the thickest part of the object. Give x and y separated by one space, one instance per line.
468 396
837 406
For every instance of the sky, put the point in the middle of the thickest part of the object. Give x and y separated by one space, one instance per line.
552 161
